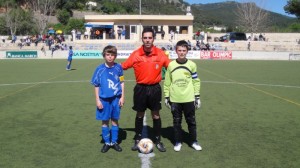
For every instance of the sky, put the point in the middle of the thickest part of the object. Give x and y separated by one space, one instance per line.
271 5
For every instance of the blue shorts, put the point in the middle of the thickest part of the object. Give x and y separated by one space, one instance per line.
111 109
69 58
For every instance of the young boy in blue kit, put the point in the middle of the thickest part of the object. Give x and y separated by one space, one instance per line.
70 58
108 80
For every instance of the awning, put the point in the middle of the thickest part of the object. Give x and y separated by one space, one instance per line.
51 31
108 25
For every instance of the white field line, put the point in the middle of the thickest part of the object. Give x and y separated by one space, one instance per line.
214 82
145 158
256 84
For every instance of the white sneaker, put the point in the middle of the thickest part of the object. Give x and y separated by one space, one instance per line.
196 146
177 147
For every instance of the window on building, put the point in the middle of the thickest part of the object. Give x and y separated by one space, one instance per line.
183 30
172 28
133 29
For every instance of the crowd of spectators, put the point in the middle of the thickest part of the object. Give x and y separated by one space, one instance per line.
52 41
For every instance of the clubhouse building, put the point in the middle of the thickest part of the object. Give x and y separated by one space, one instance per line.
129 27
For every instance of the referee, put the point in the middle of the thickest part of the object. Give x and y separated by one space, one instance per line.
147 62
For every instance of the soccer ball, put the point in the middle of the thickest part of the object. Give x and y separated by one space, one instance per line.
145 145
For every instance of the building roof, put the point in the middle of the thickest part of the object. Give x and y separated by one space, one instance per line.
111 18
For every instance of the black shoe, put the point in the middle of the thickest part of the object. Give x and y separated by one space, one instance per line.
116 147
105 148
135 146
160 146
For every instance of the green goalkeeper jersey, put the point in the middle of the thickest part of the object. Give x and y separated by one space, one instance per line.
182 83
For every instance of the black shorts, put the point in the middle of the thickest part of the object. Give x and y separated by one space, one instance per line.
147 96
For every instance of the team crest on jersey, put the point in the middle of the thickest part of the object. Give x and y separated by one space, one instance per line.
113 86
186 73
156 66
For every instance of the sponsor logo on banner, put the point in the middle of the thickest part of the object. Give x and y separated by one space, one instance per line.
216 55
21 54
124 53
87 54
191 55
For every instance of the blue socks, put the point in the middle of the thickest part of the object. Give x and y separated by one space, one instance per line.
106 135
114 134
110 138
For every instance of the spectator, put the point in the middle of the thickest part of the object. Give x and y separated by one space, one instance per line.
119 31
111 33
189 45
78 35
172 34
3 39
86 34
97 33
162 34
202 37
197 35
43 50
248 46
13 38
123 33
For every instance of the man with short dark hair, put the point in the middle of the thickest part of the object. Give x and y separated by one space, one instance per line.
147 62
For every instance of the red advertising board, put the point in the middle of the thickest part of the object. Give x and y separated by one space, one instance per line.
216 55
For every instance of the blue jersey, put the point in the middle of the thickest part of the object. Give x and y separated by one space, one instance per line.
70 55
109 80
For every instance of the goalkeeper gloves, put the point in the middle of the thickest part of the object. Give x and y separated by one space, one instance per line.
197 102
167 102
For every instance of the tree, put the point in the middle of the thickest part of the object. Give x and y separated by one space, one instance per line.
250 17
77 24
13 19
3 28
63 16
42 9
293 7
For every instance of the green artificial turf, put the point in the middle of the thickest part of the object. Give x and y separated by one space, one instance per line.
249 117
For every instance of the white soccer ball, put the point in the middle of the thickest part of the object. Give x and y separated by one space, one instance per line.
145 145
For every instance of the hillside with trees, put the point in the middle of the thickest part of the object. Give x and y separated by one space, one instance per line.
34 16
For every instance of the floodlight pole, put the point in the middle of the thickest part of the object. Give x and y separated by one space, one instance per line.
140 7
140 36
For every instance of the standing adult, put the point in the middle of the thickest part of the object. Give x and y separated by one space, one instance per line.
163 34
3 39
172 34
123 34
119 31
73 34
147 62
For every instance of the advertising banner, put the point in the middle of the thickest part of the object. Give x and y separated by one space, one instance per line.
21 54
216 55
123 54
191 55
87 54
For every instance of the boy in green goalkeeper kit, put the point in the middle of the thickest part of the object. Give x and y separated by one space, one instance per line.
182 94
